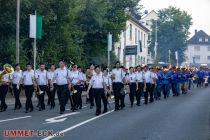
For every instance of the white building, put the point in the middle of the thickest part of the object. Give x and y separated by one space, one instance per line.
134 33
147 21
198 49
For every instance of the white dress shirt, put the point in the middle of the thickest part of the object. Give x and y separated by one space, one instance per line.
147 76
62 76
140 76
76 76
28 77
50 75
41 76
16 77
131 77
119 75
97 81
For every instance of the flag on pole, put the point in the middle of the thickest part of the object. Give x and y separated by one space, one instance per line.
35 26
109 42
176 55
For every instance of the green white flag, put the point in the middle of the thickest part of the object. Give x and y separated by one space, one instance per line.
35 26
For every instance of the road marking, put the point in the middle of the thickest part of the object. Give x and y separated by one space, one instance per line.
59 118
78 125
15 119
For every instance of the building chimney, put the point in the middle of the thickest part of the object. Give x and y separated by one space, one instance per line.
196 31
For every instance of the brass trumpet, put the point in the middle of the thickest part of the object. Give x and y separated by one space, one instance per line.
8 69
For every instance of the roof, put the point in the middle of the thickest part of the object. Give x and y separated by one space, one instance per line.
139 24
195 40
153 11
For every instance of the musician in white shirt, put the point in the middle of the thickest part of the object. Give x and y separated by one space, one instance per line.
118 77
51 90
42 82
97 83
27 80
16 84
5 81
62 77
132 81
147 76
153 78
140 84
76 78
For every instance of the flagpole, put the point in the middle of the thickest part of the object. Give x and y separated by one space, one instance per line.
35 50
18 32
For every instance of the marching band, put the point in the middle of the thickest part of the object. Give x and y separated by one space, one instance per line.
99 84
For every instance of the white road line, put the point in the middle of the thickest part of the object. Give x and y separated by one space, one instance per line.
78 125
60 118
15 119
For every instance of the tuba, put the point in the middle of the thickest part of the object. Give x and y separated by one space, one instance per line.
7 69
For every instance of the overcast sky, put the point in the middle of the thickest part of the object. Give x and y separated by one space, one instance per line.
198 9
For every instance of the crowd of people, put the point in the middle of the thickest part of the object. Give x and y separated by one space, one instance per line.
99 84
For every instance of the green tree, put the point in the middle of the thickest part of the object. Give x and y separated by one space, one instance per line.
172 33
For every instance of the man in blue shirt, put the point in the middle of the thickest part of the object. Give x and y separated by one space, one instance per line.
166 82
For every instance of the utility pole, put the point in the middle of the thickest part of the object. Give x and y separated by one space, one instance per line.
155 48
18 32
169 57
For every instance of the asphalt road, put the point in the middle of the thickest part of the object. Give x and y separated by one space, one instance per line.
186 117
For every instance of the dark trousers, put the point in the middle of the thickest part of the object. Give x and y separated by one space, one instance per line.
119 98
41 97
148 86
17 95
139 92
29 89
91 97
151 93
51 96
3 93
78 96
63 93
100 95
132 92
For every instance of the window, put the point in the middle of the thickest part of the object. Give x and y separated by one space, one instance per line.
200 40
197 48
130 31
208 58
197 57
208 48
206 39
144 40
139 35
136 35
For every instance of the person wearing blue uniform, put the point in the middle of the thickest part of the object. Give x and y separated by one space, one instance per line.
159 83
174 81
166 82
200 75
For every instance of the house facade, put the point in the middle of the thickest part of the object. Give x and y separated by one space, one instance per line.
135 32
198 49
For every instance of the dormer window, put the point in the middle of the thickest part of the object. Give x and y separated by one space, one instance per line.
206 39
200 39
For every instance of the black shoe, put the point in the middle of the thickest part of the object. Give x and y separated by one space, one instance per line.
40 109
91 107
145 103
80 107
5 108
52 107
138 104
131 105
105 110
116 109
26 111
97 113
61 112
31 110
